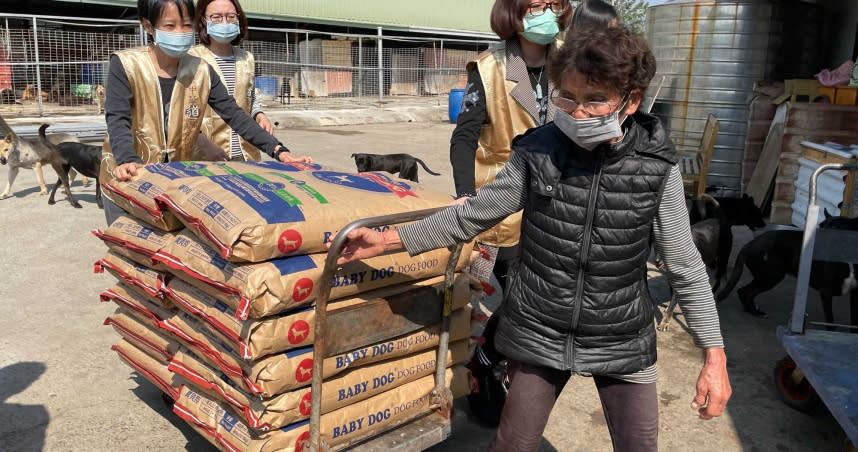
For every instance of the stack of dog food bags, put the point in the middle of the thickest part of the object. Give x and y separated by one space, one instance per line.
218 268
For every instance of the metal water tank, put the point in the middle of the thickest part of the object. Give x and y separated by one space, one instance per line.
710 53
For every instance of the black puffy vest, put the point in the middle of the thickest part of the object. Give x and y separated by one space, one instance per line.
579 300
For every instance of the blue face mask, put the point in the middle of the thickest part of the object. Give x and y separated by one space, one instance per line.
541 29
174 44
222 33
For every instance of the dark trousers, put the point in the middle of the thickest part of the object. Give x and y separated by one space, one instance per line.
631 410
505 267
111 210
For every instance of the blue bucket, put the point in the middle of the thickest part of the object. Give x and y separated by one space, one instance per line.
267 86
454 104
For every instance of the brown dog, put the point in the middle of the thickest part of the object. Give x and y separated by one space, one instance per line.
100 96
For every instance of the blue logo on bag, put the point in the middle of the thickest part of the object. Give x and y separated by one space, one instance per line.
195 167
373 182
228 421
271 186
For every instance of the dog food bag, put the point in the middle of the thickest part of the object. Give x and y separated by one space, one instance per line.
145 308
287 408
257 338
155 344
264 214
375 414
147 366
268 288
134 275
285 371
138 195
135 240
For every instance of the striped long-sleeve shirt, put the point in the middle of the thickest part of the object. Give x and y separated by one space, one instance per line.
686 272
227 68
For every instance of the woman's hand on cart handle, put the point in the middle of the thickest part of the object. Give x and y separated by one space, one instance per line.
364 243
713 385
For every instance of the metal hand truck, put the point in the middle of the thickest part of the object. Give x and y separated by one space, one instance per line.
375 321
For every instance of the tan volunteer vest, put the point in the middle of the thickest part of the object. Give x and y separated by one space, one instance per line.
509 97
214 128
188 105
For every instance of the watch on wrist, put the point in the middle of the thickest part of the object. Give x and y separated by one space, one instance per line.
279 151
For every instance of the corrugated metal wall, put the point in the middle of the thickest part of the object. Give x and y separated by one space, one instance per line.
459 15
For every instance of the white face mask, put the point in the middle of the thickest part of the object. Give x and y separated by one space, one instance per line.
590 132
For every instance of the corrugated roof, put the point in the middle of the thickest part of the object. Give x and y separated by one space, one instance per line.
469 17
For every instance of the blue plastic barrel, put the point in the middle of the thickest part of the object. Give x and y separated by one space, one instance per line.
454 104
93 74
267 86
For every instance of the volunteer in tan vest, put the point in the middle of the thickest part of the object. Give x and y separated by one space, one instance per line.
221 25
507 94
157 97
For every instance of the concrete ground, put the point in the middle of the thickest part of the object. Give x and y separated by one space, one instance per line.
62 389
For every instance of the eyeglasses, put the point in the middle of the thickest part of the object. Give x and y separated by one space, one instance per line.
591 108
221 18
538 9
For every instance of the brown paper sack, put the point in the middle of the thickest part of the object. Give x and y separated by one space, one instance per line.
343 425
137 196
281 372
133 274
256 338
264 214
155 344
293 406
144 308
135 240
148 367
268 288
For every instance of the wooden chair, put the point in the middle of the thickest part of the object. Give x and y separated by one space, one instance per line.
695 165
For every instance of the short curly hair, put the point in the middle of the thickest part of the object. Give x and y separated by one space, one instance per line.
614 57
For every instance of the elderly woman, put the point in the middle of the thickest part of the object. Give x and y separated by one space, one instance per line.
593 185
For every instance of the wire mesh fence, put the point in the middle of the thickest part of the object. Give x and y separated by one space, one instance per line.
57 65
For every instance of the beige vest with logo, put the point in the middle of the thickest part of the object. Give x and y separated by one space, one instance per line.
214 128
506 120
188 106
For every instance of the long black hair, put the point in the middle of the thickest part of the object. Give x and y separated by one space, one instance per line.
593 13
152 9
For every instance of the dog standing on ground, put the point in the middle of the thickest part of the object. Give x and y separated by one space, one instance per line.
18 153
773 255
404 164
100 96
83 158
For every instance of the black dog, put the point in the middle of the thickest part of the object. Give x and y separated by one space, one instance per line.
84 158
404 164
729 212
774 254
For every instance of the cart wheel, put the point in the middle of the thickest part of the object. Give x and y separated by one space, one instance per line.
794 389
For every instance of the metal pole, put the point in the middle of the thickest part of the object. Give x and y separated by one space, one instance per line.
38 70
143 38
380 68
306 80
442 73
360 69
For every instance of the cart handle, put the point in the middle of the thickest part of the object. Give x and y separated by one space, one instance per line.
331 267
799 307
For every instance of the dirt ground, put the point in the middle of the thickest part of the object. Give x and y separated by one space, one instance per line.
62 389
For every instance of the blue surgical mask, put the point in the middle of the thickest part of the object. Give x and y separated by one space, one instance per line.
541 29
222 33
590 132
174 44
